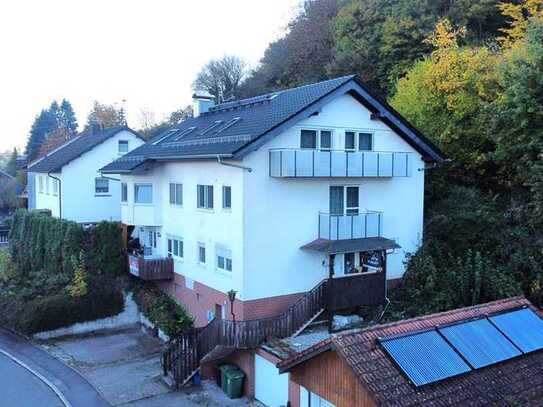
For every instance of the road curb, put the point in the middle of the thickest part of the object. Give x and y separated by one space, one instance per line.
39 376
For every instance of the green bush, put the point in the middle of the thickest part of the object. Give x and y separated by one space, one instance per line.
60 310
58 273
107 253
160 309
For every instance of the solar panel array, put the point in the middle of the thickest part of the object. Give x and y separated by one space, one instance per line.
447 351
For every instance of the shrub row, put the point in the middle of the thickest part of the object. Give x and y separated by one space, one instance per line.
160 309
59 310
59 273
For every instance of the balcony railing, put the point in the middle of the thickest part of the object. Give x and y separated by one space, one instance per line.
355 226
151 268
296 163
356 290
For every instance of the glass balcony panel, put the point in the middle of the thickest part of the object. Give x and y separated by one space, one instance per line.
304 163
385 164
322 163
339 164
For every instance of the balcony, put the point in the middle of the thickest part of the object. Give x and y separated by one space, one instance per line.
355 226
300 163
356 290
151 268
141 214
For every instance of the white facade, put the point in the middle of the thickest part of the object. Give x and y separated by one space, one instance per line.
271 218
74 187
271 387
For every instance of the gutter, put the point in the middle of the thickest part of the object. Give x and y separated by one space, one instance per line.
110 178
248 169
59 194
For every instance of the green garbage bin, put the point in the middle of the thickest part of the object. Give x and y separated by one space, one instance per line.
233 385
221 378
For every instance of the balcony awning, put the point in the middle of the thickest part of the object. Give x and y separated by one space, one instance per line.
351 245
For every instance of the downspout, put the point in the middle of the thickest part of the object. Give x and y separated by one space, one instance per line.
59 194
248 169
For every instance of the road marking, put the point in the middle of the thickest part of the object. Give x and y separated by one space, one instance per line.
39 376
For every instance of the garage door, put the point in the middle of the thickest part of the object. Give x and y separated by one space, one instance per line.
271 388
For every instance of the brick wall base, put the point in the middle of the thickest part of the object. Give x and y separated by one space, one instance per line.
201 298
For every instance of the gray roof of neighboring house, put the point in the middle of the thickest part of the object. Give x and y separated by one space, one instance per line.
258 120
5 174
72 149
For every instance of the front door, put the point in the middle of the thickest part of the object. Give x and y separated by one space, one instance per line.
219 311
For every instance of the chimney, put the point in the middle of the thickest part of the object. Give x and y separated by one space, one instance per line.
201 104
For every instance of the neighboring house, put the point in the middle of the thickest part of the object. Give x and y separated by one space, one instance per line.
304 201
489 354
67 180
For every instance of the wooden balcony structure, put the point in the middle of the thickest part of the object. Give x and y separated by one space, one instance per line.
150 269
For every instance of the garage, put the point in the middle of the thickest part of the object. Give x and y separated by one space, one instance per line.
271 388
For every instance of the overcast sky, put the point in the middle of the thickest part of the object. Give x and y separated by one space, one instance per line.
146 52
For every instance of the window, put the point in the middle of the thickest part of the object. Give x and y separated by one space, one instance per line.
351 207
325 140
175 247
213 126
350 141
101 185
143 193
364 142
55 187
183 133
40 184
205 196
123 146
46 185
229 124
224 258
344 200
176 194
201 253
227 197
308 139
124 192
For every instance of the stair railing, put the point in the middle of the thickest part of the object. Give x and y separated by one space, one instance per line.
185 352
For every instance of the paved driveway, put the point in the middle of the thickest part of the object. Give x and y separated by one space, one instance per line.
125 367
19 387
32 377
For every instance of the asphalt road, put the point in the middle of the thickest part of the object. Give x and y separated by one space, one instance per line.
19 387
29 380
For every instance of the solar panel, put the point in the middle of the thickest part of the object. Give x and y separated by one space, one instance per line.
425 357
523 327
480 343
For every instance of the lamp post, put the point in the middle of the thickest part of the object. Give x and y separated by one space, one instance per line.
232 298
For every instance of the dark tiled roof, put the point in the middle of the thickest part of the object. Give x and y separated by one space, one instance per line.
5 175
351 245
257 117
517 381
74 148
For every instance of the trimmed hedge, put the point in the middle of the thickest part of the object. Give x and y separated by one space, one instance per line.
60 310
41 242
59 273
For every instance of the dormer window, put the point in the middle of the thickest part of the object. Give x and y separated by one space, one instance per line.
123 146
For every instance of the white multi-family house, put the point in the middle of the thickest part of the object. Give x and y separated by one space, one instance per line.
303 201
67 180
